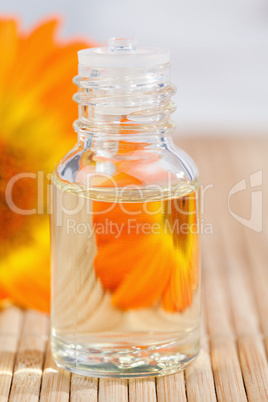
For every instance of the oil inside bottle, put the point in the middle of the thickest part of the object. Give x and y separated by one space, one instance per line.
125 279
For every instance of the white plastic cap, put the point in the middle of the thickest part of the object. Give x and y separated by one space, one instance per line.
122 52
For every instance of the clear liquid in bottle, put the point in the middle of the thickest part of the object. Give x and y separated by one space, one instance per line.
125 280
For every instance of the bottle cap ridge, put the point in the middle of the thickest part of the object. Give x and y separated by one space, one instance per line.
124 53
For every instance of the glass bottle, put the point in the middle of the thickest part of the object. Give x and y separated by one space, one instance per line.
124 226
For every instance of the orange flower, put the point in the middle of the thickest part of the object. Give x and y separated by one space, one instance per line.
141 267
36 115
137 265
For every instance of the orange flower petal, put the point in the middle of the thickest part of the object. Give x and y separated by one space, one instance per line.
25 274
36 112
144 285
141 269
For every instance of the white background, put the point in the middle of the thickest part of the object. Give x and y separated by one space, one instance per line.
219 51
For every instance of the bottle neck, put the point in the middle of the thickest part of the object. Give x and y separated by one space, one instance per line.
124 103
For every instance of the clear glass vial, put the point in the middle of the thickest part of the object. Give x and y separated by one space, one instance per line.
124 227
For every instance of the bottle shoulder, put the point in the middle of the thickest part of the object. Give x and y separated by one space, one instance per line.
127 163
181 161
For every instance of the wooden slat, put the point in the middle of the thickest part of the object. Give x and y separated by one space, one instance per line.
199 376
56 382
11 319
142 390
171 388
227 370
254 367
199 379
83 389
29 362
111 390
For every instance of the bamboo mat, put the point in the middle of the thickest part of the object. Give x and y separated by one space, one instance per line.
232 365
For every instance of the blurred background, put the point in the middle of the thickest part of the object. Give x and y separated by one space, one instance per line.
219 51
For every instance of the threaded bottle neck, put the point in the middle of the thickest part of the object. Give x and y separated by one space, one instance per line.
124 101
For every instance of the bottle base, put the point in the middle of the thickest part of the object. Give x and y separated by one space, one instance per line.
122 362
